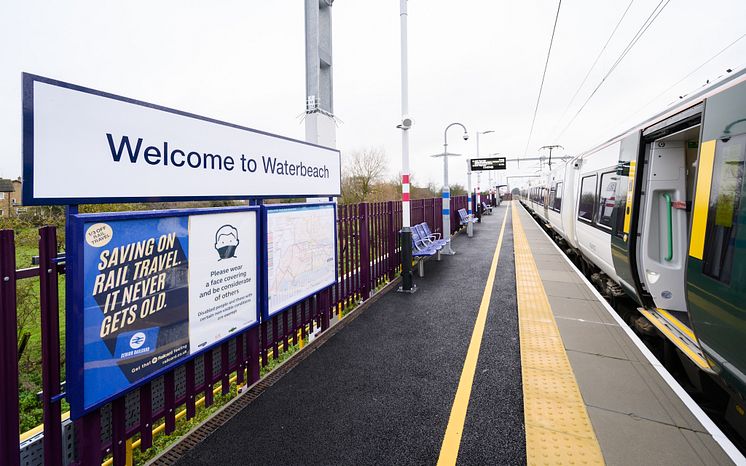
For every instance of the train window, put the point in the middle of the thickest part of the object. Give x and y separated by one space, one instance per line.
725 196
552 194
558 198
606 199
587 198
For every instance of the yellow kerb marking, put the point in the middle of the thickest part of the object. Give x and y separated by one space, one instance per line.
452 440
702 199
696 358
679 325
558 430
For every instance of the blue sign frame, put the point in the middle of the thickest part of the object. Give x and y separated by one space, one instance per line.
75 297
265 263
28 81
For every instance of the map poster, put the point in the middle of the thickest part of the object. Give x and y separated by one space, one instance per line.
155 290
301 252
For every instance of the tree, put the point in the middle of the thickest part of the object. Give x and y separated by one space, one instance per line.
362 170
458 190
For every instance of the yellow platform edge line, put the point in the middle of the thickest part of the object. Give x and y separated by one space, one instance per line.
455 429
558 429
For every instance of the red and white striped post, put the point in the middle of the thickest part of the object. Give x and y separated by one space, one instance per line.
407 284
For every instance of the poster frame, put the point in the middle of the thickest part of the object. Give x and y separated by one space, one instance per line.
75 289
265 252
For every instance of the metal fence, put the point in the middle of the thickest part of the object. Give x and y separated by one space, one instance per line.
369 255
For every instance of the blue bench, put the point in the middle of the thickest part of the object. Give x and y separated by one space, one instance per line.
425 245
464 217
429 238
486 208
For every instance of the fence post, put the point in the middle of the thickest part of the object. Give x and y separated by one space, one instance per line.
88 439
50 345
9 446
364 251
324 303
253 352
393 238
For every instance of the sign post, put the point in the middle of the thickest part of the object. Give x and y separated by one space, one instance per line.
470 225
150 290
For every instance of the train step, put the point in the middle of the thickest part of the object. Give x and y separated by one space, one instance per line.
679 333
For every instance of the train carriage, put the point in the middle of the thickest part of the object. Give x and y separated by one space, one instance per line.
659 214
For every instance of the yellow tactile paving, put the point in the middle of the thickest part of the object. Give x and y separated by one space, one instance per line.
558 430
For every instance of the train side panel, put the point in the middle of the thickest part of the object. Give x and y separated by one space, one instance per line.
595 192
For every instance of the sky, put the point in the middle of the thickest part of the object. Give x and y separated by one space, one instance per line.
477 62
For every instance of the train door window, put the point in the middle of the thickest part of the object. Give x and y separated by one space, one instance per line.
725 197
552 195
558 198
587 198
606 199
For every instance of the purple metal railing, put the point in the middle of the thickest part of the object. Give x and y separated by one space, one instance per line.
368 254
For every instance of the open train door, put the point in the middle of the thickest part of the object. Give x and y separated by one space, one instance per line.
670 151
666 172
623 243
716 267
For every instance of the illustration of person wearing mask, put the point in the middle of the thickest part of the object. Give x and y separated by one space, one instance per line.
226 241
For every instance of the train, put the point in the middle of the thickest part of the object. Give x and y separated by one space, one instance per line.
656 216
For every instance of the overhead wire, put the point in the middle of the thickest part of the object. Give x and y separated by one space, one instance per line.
638 35
543 77
687 76
603 49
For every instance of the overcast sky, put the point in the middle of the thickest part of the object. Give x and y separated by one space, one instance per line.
478 62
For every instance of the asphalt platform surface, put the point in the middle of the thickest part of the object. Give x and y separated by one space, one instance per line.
380 391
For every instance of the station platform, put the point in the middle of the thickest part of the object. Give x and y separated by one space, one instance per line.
504 355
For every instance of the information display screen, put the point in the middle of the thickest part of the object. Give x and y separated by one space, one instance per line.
301 252
494 163
152 289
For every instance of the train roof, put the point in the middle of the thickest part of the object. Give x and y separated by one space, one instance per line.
688 102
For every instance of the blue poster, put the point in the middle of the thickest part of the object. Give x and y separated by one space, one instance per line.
135 302
149 291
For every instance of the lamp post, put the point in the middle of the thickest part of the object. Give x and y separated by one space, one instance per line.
447 189
407 284
470 214
489 174
479 174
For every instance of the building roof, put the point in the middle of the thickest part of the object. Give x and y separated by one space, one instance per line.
6 186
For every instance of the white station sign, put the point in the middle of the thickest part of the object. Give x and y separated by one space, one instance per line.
85 146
